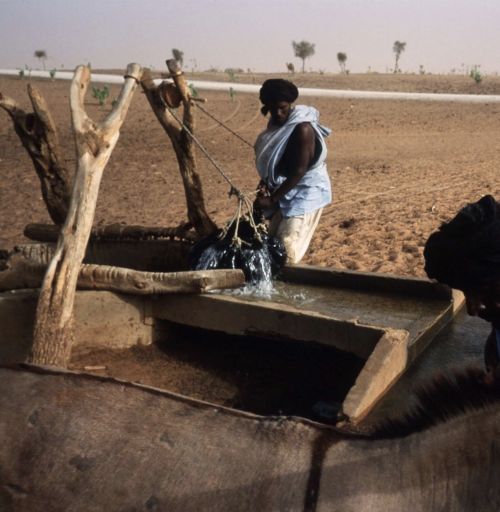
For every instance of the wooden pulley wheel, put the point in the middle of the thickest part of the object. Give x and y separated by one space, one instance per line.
171 95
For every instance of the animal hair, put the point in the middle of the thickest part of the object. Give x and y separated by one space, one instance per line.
446 396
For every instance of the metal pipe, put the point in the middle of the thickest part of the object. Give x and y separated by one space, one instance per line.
303 91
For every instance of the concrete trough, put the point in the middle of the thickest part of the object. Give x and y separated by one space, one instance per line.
385 320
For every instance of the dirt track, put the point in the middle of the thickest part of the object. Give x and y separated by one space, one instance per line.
398 169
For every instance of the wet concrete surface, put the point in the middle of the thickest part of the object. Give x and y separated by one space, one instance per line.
457 345
413 314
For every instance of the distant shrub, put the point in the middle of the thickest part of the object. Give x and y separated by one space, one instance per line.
114 102
475 74
232 92
193 91
421 70
231 74
342 58
101 95
21 73
52 74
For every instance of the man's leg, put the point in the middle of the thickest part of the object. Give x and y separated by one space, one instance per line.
296 233
274 224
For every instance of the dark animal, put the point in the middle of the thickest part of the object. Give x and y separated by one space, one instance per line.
73 442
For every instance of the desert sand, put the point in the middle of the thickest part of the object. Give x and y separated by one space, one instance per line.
398 169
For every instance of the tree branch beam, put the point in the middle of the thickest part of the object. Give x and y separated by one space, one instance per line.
21 273
49 233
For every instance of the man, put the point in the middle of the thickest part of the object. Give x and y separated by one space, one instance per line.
465 255
290 158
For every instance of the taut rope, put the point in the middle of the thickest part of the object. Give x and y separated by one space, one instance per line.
243 199
224 125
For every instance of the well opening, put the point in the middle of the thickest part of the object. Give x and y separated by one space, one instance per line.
260 375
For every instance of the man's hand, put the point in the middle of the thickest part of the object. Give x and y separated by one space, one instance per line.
265 202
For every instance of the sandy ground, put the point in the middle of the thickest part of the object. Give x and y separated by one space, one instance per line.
398 169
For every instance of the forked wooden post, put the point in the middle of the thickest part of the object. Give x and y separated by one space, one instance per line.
54 324
183 145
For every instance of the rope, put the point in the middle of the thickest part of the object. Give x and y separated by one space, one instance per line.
243 199
224 125
136 79
234 189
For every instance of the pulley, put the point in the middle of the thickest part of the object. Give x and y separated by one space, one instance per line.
170 94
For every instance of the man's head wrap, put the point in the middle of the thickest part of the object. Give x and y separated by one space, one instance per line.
277 89
465 252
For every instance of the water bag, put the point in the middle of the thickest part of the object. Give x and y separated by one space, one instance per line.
260 260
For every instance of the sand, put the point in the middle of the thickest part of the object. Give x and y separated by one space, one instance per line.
398 169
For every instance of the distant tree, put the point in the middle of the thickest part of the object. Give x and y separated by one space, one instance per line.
342 57
303 50
398 49
178 56
41 55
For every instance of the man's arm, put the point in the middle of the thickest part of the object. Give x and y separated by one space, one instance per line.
299 154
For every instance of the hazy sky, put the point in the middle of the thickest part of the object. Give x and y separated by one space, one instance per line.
439 34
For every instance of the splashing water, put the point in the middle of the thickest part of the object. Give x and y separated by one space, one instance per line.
260 290
259 256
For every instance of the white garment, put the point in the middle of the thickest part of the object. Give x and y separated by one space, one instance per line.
295 232
314 190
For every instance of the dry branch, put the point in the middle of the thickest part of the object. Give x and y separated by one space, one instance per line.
183 146
97 277
21 273
38 135
54 324
49 233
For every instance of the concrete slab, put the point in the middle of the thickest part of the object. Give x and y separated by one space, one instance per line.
386 320
102 319
270 320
